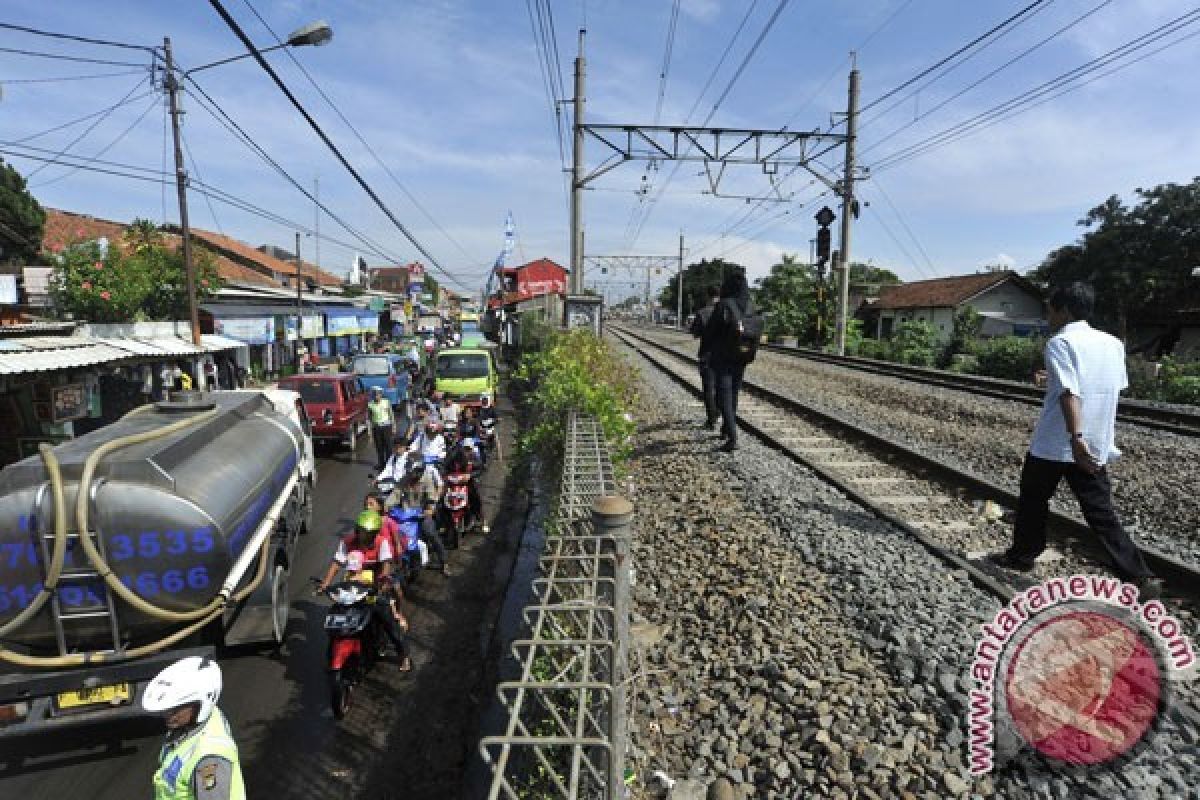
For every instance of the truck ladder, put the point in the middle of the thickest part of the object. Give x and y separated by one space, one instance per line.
96 601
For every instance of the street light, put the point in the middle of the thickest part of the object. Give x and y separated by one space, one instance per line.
314 34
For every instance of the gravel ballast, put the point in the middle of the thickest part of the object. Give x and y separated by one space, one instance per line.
789 644
1154 480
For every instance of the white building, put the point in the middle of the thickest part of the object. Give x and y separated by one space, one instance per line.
1008 303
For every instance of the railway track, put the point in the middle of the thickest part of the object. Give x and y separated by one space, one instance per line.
936 503
1134 412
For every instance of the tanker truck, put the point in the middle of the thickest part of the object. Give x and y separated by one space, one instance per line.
165 534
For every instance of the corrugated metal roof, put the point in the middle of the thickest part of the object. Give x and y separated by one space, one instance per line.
215 343
72 353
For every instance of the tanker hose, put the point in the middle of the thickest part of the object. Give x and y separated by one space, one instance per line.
81 659
58 554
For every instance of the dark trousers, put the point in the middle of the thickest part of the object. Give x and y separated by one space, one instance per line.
382 434
391 628
708 387
729 385
1039 481
429 535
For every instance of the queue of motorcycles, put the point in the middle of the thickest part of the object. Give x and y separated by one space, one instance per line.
355 641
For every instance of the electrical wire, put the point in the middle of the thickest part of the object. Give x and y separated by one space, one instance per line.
84 118
1048 90
665 71
219 114
154 102
76 59
387 170
196 170
333 148
1027 51
978 39
66 78
96 123
73 38
904 224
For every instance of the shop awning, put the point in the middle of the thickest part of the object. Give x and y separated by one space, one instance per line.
49 353
235 310
340 311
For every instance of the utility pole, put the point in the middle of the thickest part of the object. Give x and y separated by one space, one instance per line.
185 232
299 308
577 177
679 288
316 222
847 208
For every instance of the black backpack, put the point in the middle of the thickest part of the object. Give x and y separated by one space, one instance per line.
748 329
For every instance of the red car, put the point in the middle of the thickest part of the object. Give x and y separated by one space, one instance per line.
336 404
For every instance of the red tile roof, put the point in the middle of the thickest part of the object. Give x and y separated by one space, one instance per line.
67 227
945 292
258 260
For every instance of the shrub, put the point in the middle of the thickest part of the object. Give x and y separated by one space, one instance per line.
575 370
1011 357
914 343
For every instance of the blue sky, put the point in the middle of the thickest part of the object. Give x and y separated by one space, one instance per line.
449 94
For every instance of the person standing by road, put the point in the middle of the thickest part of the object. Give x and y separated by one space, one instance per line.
199 759
707 381
382 425
1074 439
725 357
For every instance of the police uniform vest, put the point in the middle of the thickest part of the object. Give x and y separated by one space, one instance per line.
381 412
178 761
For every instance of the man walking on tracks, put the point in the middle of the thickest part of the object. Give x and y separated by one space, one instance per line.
708 383
1085 373
735 328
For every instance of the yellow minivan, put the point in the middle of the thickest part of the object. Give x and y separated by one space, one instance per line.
466 374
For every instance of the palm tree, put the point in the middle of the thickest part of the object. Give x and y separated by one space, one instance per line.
142 234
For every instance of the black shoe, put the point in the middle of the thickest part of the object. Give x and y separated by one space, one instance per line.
1009 560
711 425
1149 587
729 446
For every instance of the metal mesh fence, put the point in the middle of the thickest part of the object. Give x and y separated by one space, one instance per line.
565 732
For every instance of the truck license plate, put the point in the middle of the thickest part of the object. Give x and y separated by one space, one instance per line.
118 694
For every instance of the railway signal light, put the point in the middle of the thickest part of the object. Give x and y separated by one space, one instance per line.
823 244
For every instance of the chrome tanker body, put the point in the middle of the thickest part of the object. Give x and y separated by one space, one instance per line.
191 509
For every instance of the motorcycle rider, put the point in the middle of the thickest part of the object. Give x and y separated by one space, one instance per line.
396 469
199 759
470 429
430 443
464 458
420 493
376 547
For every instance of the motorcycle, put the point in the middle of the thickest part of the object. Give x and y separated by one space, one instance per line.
355 641
413 555
487 434
456 502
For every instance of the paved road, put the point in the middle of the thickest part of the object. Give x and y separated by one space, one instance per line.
278 703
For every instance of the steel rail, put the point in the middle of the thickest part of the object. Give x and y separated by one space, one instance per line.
1180 576
1133 412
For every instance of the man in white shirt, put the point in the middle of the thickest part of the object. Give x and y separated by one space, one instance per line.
430 443
1073 439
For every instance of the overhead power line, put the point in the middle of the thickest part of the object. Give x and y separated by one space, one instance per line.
366 187
76 59
1049 90
988 76
362 140
982 37
73 38
67 78
218 113
113 143
93 126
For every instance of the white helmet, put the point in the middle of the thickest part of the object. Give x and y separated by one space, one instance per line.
190 680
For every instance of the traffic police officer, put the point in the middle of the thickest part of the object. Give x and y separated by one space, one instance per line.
199 760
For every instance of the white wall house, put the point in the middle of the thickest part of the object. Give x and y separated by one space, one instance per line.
1008 303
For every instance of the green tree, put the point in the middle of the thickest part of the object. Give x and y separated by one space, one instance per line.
22 220
1138 259
698 278
146 284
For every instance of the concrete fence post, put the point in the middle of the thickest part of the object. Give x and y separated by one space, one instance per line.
612 520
